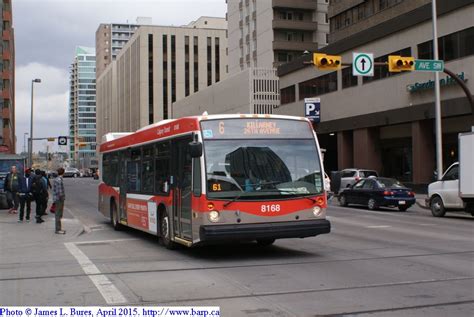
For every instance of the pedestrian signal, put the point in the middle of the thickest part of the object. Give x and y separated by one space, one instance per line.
397 63
327 62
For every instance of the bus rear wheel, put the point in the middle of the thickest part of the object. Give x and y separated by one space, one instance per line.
165 228
265 242
114 218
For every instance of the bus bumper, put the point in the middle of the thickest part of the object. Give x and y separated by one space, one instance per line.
274 230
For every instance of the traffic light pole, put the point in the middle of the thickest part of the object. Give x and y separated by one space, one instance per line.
439 135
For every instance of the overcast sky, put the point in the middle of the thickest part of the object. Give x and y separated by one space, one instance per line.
46 34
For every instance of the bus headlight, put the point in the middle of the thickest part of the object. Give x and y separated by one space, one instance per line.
213 216
317 211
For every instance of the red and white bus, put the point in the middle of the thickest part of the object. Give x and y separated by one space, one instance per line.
216 178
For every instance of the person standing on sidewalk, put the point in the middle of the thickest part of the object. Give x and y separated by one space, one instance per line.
48 187
59 195
25 196
39 190
12 186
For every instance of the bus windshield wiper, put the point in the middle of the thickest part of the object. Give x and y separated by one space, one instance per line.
234 199
291 192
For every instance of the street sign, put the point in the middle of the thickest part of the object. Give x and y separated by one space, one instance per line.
51 139
62 140
362 64
312 109
429 65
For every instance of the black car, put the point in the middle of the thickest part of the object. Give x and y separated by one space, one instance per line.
375 192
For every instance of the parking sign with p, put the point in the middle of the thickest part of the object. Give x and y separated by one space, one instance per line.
312 109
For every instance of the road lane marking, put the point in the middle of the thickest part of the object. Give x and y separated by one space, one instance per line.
107 289
428 224
378 227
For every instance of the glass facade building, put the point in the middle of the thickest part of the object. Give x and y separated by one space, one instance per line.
82 109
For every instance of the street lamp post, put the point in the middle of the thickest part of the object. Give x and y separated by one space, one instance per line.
30 143
24 141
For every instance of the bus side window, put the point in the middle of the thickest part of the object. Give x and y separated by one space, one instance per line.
162 168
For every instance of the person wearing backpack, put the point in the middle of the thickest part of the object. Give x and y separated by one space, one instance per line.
39 191
59 195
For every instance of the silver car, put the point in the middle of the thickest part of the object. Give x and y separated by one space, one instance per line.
350 176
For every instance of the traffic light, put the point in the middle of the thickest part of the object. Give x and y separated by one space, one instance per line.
326 62
397 63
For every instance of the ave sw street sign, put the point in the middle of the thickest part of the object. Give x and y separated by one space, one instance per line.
362 64
429 65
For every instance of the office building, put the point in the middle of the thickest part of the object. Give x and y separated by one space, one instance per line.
386 122
7 84
158 66
267 33
111 37
82 109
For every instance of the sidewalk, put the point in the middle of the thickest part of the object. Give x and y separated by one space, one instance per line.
23 242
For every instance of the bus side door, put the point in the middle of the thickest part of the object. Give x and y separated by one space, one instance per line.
182 193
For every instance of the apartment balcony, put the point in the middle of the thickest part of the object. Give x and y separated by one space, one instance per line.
6 94
295 4
6 113
241 42
247 19
295 46
240 5
7 16
241 61
254 34
254 54
295 25
6 35
6 74
247 38
247 57
7 55
241 24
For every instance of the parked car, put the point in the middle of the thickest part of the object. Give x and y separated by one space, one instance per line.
52 174
71 172
350 176
86 172
375 192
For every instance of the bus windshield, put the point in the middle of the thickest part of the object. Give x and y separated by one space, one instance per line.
260 168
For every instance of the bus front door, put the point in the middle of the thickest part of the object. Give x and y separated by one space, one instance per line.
182 192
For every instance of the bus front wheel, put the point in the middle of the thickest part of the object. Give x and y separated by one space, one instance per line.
165 227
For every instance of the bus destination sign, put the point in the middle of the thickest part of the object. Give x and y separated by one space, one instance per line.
255 128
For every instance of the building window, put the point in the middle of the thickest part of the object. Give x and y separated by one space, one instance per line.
217 59
150 79
173 68
452 46
209 61
196 63
347 79
187 66
318 86
288 95
165 77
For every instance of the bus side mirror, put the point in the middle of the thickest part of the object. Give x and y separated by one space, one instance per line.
195 149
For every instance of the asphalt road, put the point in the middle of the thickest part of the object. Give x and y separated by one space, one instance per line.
380 263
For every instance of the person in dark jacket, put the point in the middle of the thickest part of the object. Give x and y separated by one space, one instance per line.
25 196
12 187
39 190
